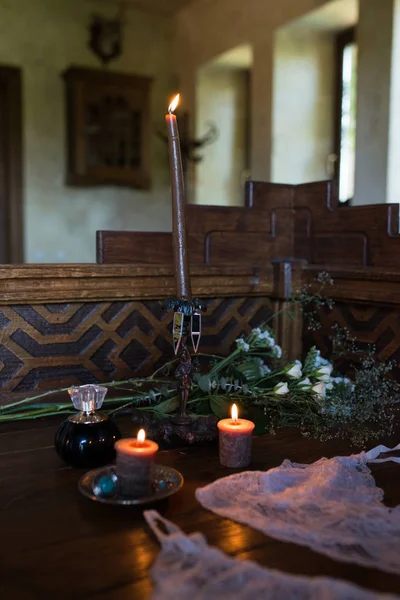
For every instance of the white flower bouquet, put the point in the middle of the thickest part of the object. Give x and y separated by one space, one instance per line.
304 394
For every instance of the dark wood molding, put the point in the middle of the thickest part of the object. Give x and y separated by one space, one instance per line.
11 247
32 284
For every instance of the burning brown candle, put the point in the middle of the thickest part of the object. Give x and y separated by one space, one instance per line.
182 277
235 441
135 465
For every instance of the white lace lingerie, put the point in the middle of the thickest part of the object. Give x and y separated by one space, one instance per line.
333 506
188 568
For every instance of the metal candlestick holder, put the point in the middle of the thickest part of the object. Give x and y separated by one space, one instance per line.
179 429
187 323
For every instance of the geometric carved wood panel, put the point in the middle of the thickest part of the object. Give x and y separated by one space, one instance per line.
367 323
56 345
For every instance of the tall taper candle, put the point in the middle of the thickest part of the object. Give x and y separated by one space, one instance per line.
182 277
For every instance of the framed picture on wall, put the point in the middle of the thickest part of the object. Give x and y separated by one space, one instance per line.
108 128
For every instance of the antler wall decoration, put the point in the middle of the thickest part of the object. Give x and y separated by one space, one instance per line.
190 148
105 35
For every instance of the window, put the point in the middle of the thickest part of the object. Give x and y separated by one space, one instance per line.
346 114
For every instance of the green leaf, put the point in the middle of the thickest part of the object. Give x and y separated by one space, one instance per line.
164 391
250 370
261 420
204 383
196 378
236 372
202 407
220 406
167 406
309 363
223 382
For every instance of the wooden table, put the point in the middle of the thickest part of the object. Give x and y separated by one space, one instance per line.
58 545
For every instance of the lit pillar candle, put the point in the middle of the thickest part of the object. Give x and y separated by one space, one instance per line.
235 441
182 277
135 465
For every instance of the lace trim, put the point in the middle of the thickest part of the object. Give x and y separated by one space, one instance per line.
333 506
188 568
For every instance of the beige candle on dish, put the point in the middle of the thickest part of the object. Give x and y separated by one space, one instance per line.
235 441
135 465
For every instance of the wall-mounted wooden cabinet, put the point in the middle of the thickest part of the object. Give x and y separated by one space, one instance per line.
108 128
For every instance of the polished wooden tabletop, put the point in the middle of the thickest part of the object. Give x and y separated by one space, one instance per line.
56 544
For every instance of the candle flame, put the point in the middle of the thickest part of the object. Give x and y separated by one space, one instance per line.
141 436
174 104
234 413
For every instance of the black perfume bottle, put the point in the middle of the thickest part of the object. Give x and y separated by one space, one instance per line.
87 438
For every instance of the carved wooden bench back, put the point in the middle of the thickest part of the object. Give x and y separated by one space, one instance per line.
301 222
78 323
304 230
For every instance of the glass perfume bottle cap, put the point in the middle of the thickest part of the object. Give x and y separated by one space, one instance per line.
87 398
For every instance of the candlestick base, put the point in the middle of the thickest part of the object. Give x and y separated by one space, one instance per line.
169 434
187 322
181 420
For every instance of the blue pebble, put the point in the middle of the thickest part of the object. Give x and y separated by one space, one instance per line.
107 485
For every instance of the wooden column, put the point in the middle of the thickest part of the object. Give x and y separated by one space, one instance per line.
288 324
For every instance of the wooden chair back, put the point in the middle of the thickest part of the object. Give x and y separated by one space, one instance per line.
303 222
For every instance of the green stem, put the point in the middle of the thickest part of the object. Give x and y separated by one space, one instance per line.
293 301
135 381
11 408
160 369
111 384
224 363
209 355
39 405
171 362
34 414
28 400
270 376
